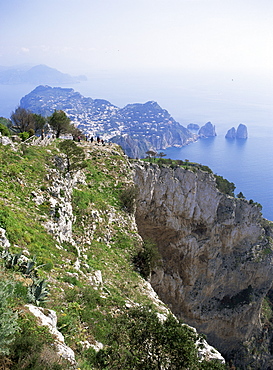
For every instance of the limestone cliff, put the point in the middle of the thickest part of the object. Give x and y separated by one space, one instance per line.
216 254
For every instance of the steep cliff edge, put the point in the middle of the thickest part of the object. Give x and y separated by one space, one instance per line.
216 253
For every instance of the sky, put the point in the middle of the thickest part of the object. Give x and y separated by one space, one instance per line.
217 47
78 35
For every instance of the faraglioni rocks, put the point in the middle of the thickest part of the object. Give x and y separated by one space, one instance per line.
231 134
240 133
208 130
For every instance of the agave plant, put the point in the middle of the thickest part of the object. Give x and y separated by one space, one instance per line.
37 292
28 268
11 260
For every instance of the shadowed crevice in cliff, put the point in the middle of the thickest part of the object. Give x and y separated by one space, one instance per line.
216 256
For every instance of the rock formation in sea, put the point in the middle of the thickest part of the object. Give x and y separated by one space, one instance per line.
241 132
193 126
231 134
208 130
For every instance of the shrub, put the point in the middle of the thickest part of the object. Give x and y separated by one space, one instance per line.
128 198
146 259
224 185
140 340
4 130
24 135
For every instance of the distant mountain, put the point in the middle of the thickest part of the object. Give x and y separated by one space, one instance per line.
40 74
136 127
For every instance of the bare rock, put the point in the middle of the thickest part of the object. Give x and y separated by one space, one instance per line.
216 266
49 318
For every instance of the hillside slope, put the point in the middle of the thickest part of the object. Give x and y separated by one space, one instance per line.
69 241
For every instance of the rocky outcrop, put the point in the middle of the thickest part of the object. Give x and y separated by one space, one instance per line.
48 318
208 130
240 133
216 256
231 134
193 126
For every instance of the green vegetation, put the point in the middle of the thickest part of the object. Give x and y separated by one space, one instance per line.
147 259
4 129
74 155
25 122
60 123
128 197
173 163
88 280
224 185
8 318
153 344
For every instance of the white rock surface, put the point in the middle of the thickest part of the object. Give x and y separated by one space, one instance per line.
49 318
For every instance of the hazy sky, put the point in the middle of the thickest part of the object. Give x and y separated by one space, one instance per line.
200 59
81 35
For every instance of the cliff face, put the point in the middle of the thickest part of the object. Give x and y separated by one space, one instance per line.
217 257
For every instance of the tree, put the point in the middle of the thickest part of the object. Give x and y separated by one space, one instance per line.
74 155
22 120
39 122
151 153
241 195
75 132
60 123
161 155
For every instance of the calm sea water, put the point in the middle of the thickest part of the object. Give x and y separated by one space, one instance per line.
247 163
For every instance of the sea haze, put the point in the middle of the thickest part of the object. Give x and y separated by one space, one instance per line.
225 100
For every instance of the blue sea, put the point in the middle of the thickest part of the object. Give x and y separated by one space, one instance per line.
246 163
